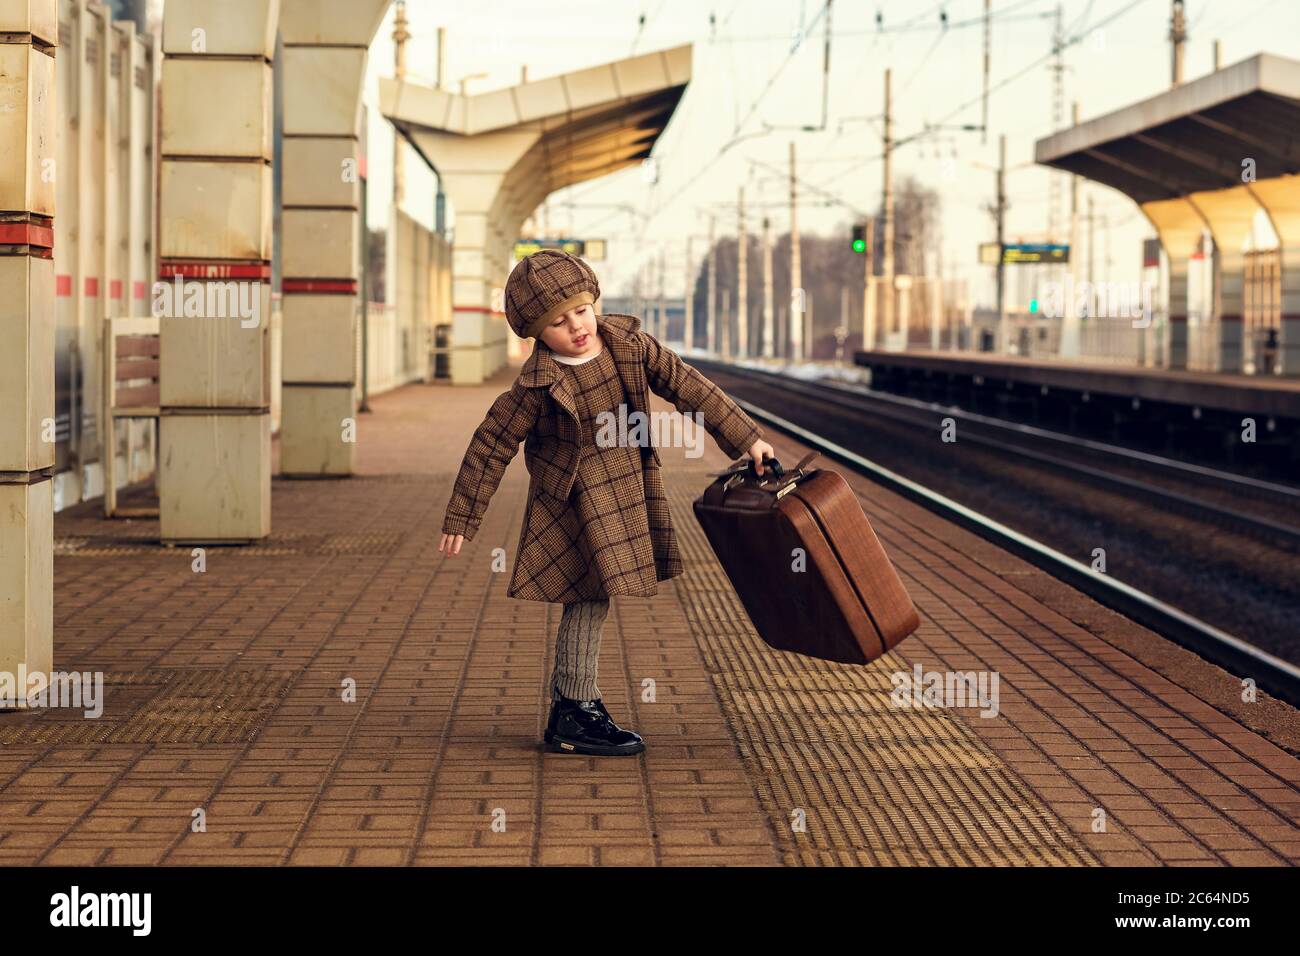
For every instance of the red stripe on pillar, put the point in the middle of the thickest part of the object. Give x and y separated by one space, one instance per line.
257 271
137 290
320 286
115 289
26 234
63 286
92 287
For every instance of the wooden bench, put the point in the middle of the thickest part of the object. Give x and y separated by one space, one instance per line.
131 390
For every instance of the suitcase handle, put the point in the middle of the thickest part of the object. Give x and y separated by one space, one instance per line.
778 473
747 466
771 462
745 473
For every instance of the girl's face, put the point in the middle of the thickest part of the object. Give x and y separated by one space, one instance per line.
573 333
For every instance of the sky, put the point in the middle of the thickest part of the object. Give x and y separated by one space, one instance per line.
748 71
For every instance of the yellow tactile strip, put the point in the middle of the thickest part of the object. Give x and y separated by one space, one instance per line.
873 784
277 544
161 706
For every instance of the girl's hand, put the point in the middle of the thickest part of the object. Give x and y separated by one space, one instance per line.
451 543
757 451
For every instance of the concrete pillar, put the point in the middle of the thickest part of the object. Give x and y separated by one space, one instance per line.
1289 339
1177 352
1179 225
474 172
1232 276
1230 214
1280 198
324 64
215 256
28 36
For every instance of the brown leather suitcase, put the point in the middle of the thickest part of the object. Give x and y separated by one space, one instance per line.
847 603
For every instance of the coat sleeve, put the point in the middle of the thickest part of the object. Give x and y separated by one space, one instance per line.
671 378
495 442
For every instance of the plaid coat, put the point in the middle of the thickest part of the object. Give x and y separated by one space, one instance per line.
539 411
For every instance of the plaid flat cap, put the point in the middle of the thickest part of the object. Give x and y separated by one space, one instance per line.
545 285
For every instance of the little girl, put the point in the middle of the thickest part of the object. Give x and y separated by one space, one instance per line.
597 520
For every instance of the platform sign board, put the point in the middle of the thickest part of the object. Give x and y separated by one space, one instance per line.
587 248
1033 253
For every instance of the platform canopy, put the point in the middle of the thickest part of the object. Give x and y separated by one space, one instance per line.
1209 154
1192 138
556 131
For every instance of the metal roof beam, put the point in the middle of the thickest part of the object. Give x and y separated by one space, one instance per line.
1241 136
1169 185
1192 157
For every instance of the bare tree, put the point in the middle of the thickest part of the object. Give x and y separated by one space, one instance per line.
829 266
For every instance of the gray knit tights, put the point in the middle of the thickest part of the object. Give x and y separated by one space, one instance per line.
577 646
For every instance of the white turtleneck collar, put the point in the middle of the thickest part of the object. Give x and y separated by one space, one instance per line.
572 360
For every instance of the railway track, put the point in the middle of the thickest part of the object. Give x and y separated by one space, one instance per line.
1264 506
1042 473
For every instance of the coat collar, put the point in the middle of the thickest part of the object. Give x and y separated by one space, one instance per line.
541 370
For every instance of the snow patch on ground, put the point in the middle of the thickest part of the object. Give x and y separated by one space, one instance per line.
808 371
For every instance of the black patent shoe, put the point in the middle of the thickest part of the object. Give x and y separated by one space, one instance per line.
585 727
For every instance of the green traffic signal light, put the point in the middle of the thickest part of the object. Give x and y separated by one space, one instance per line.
860 237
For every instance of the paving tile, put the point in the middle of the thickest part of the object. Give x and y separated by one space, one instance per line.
754 757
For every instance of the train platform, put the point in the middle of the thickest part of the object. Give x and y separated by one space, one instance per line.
1272 395
342 693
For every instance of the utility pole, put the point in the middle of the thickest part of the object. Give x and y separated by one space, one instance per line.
711 315
640 290
742 282
688 300
844 323
1069 346
442 58
766 345
400 35
661 317
724 330
988 36
1092 263
868 292
795 323
1177 37
808 312
939 298
1058 109
887 204
1001 212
